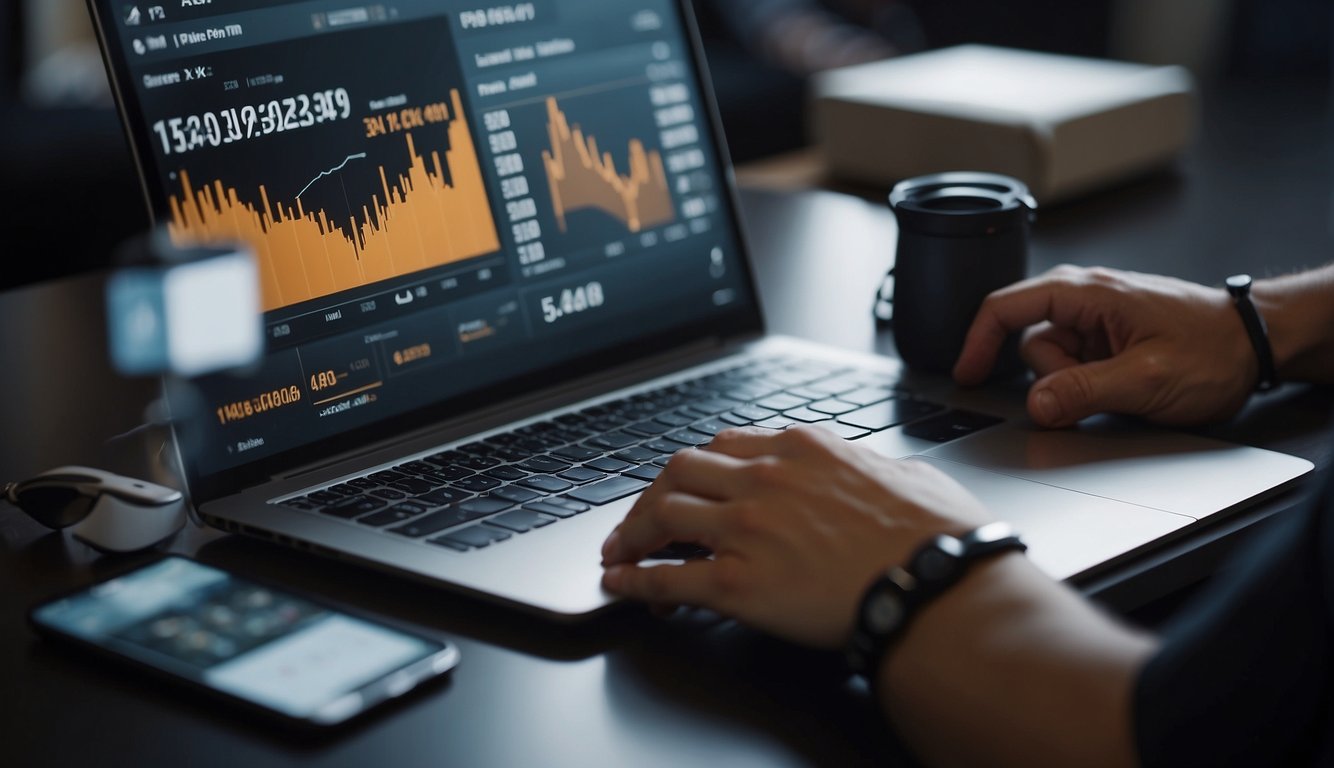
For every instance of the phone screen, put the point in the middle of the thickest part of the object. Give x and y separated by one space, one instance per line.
267 647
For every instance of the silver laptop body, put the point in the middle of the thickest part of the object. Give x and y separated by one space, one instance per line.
1084 499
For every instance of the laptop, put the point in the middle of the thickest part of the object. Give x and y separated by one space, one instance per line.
504 282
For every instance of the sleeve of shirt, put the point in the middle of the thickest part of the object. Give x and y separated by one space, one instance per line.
1243 678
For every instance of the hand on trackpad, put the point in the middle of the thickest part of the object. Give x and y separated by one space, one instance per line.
681 551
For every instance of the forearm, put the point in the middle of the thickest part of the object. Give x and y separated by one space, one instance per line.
1299 310
1010 668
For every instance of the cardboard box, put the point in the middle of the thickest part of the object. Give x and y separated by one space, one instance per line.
1063 125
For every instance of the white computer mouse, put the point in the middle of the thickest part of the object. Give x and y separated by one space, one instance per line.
106 511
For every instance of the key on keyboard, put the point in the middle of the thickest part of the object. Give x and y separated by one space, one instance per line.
608 491
477 536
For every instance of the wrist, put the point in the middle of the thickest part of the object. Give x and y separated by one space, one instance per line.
892 602
1265 373
1238 365
1012 667
988 592
1284 336
1298 319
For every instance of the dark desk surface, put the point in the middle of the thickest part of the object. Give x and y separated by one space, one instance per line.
629 689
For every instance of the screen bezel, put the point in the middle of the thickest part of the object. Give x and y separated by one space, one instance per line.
426 668
747 320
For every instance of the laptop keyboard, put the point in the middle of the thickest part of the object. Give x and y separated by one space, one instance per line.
492 490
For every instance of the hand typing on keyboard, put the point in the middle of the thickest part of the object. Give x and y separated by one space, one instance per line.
799 521
1005 662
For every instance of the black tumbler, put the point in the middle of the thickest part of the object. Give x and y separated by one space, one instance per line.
961 237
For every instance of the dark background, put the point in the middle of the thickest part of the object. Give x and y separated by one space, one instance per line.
71 192
1253 194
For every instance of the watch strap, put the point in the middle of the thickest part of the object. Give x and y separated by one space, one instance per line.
894 598
1239 287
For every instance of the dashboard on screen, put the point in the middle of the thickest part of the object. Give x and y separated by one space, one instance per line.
439 199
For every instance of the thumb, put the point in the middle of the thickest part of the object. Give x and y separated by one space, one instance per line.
1073 394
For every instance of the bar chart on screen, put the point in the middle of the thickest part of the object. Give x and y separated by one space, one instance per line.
582 176
429 211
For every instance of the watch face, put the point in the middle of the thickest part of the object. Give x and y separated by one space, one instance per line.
884 613
934 564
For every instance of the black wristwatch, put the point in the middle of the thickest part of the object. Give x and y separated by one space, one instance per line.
894 598
1239 287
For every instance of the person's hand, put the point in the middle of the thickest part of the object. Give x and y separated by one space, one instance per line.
800 522
1102 341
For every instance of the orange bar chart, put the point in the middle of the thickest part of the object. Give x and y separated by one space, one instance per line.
583 177
418 220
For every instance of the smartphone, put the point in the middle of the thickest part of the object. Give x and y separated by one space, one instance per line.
262 647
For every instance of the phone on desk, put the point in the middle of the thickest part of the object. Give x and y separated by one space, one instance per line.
263 647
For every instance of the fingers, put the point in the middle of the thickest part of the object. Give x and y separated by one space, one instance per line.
1126 384
671 517
1003 312
747 443
1063 297
709 475
692 583
1048 349
685 502
751 443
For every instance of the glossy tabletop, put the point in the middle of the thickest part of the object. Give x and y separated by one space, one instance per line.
629 688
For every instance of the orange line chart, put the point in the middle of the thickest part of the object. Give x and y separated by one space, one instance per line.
583 177
422 221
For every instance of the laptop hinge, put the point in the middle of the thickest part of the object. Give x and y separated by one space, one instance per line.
572 392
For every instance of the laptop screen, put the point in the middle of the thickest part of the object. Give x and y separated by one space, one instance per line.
444 202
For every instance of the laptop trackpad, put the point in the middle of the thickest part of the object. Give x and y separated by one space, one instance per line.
1067 532
1162 469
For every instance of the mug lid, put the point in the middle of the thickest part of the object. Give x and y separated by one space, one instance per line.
963 204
